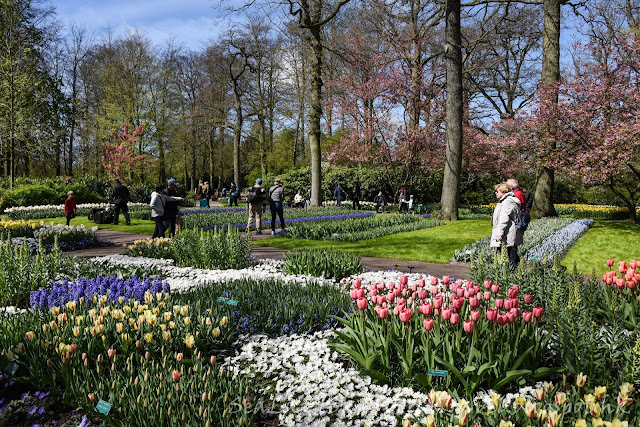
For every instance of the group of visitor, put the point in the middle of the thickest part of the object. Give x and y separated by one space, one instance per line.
257 199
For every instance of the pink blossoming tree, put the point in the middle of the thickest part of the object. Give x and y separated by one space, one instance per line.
120 157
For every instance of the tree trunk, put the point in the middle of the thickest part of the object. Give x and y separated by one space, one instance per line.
212 159
237 134
221 158
315 114
450 198
543 197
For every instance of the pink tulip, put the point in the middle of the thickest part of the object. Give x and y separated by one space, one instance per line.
475 315
457 303
404 280
454 318
111 352
426 309
495 288
383 312
511 316
422 293
528 298
434 281
620 283
622 266
437 302
414 287
421 283
633 264
468 326
610 262
460 292
352 294
175 375
507 304
428 324
405 315
446 279
373 287
374 292
391 296
516 311
467 294
469 284
381 286
473 302
631 284
638 298
499 303
609 280
492 314
502 319
526 316
459 282
446 313
400 302
362 303
513 291
537 312
380 299
487 284
356 283
487 295
360 293
434 290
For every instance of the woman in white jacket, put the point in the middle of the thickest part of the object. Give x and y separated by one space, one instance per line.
157 209
504 221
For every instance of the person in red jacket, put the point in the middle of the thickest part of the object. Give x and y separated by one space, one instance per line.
70 207
513 185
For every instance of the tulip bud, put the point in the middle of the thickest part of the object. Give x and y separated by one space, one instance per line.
428 324
468 326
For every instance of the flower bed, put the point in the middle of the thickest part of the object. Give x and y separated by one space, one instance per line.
537 232
559 243
57 211
351 228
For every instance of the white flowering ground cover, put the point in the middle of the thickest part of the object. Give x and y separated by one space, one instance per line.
559 243
9 211
181 279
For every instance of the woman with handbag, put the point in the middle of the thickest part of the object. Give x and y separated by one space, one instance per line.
158 212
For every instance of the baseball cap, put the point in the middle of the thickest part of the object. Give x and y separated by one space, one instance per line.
173 181
259 180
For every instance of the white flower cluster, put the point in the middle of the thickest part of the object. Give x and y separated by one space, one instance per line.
184 278
11 310
47 230
61 207
313 387
560 241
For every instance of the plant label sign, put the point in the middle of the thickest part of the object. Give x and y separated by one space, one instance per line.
222 299
103 407
12 368
438 372
232 302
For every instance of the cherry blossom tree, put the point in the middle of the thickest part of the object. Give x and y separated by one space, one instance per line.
121 156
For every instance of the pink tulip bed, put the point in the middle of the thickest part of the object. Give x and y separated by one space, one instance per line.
541 346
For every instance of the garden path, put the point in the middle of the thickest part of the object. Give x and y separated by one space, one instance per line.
457 270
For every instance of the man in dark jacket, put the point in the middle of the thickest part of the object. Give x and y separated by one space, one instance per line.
171 207
379 202
357 194
119 197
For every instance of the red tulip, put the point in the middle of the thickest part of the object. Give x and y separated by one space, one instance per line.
502 319
454 318
495 288
492 314
428 324
446 313
499 303
528 298
362 303
475 315
515 302
487 284
487 295
537 312
405 315
468 326
437 302
610 262
383 312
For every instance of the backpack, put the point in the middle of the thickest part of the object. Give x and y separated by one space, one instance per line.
523 221
252 196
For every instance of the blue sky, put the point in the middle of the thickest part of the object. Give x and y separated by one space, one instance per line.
191 22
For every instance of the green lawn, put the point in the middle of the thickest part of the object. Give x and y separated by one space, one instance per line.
619 240
138 226
435 244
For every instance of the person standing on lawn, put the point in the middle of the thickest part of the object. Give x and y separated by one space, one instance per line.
171 207
70 207
379 202
515 188
357 194
504 221
256 205
119 197
158 209
276 199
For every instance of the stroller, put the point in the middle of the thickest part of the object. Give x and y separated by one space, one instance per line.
102 216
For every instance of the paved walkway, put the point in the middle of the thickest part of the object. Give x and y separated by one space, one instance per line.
457 270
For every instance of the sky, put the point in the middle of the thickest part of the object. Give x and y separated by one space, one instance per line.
191 22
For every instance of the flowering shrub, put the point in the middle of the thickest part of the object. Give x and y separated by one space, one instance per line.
402 330
213 249
356 227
